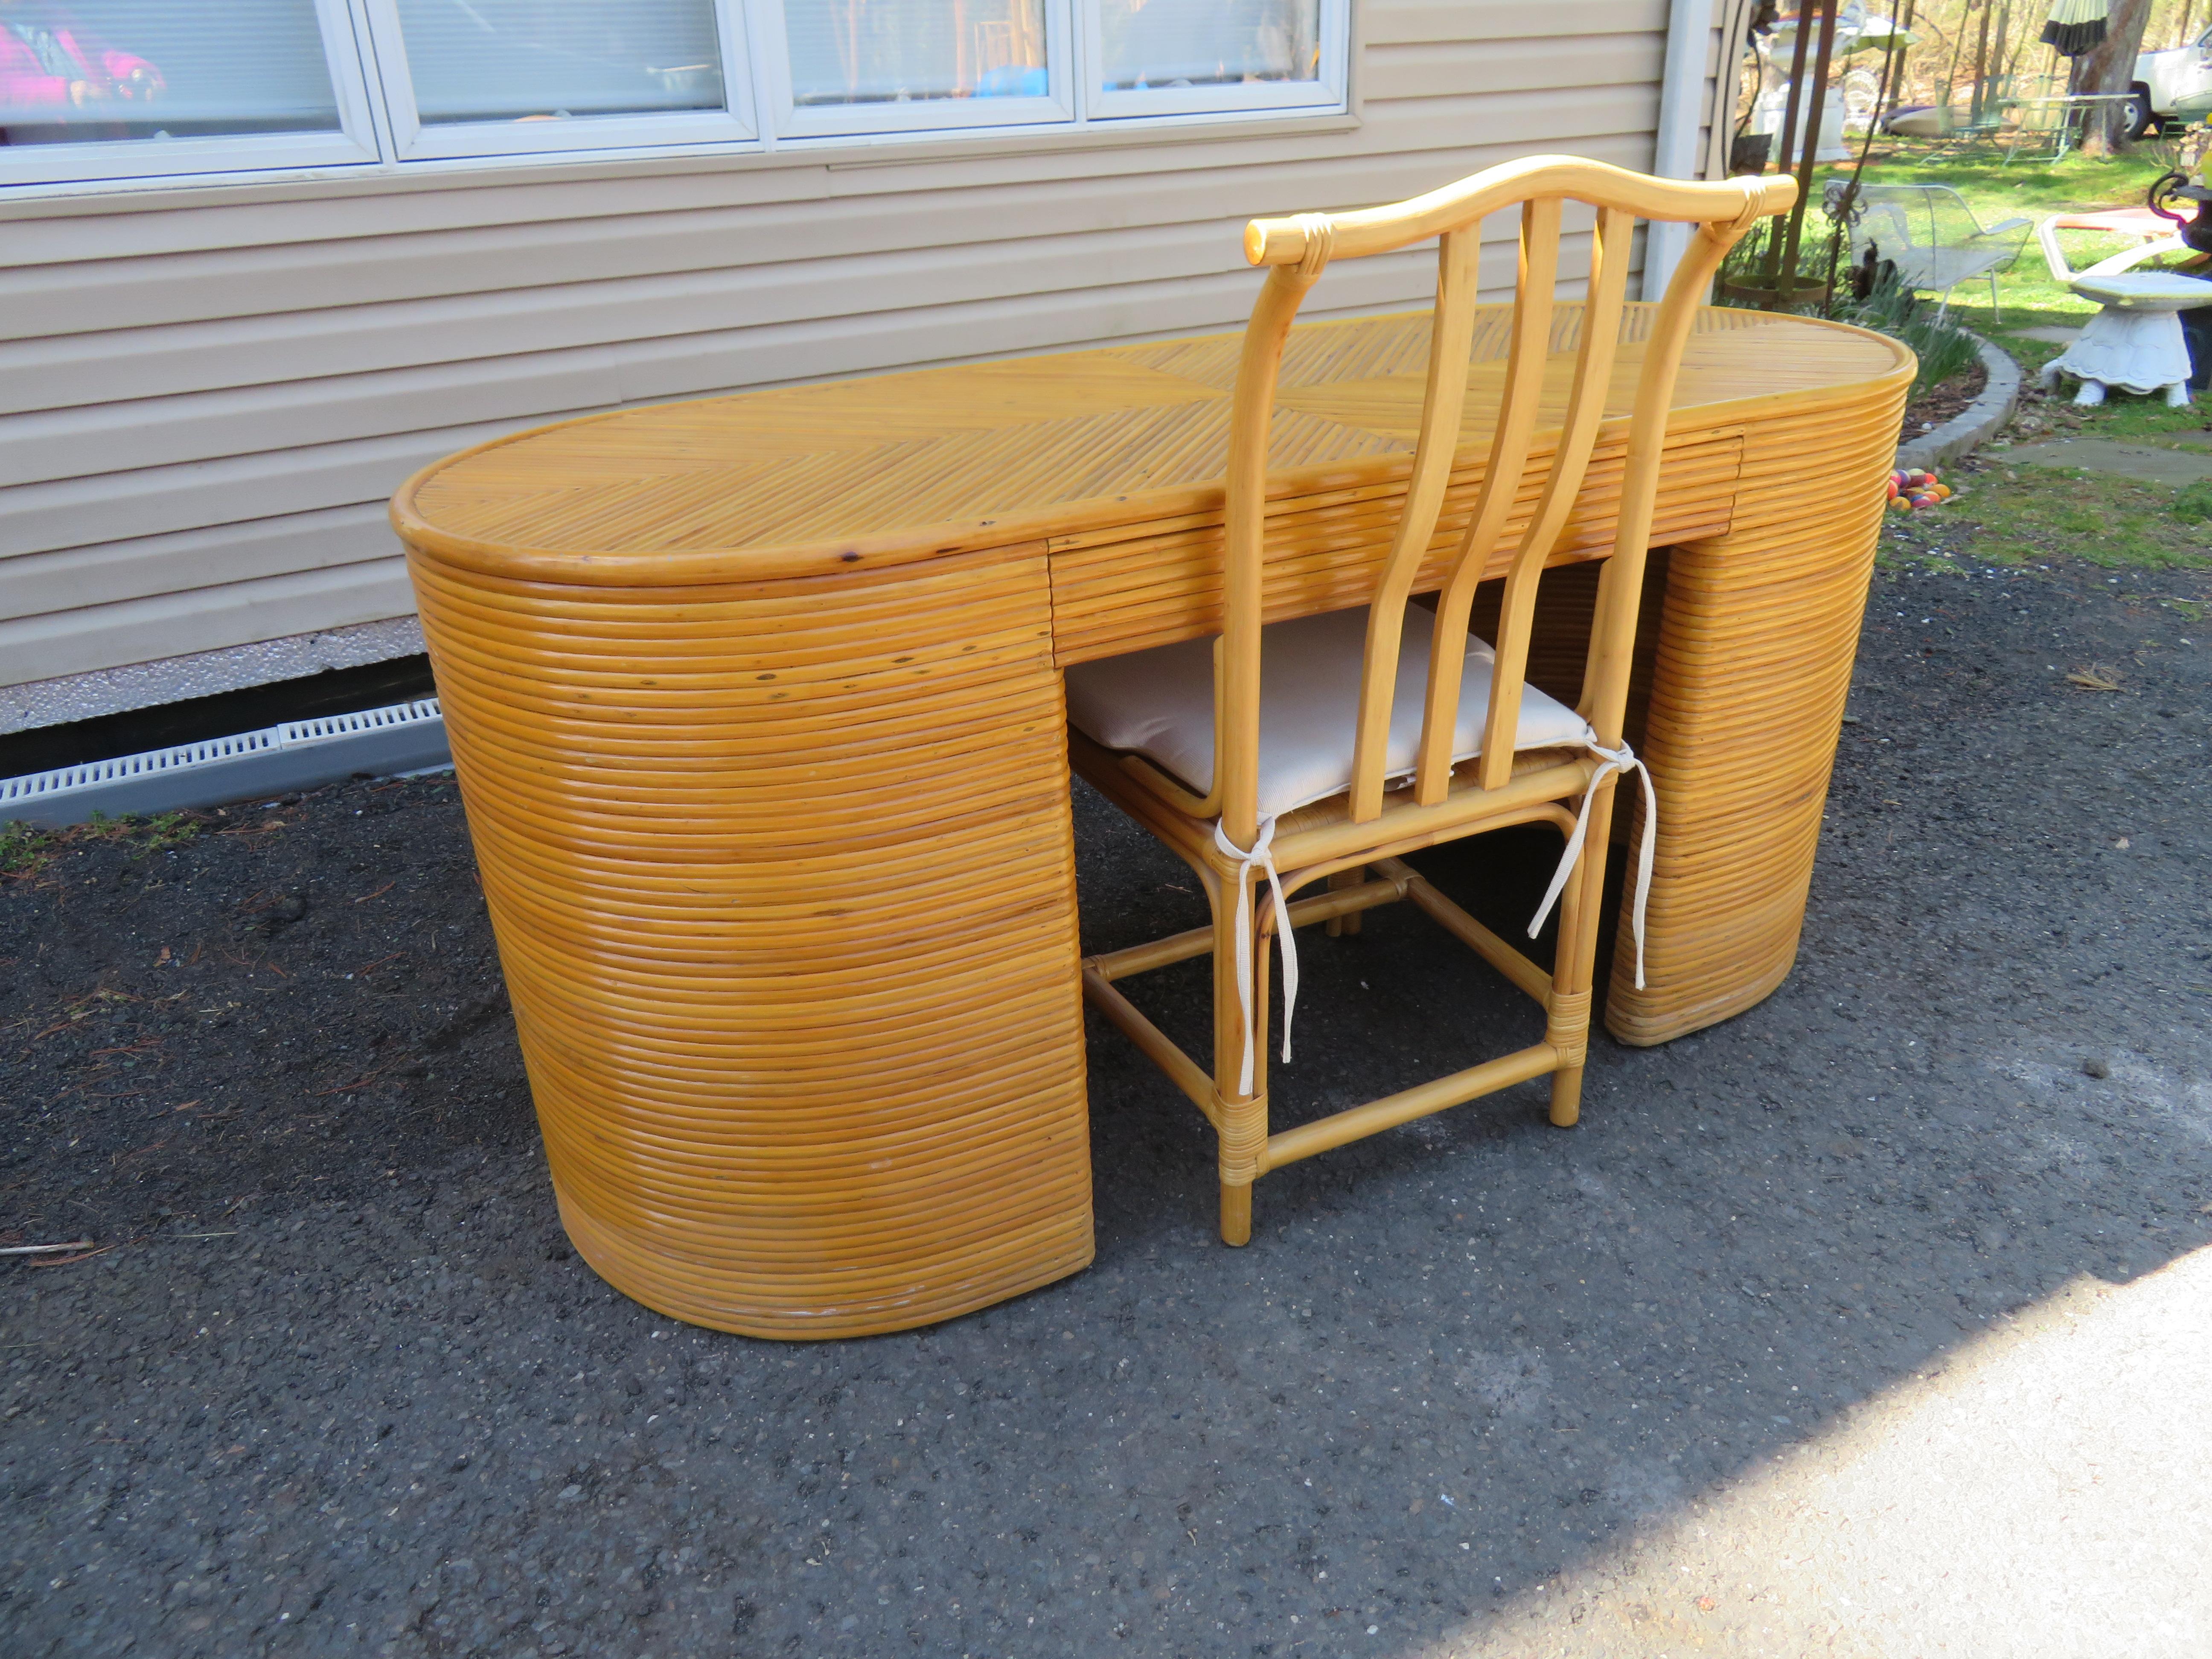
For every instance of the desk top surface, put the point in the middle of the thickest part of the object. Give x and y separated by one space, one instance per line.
1024 447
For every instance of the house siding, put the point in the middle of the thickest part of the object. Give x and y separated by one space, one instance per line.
205 402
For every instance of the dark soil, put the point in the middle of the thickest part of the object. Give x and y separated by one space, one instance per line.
1941 402
334 1385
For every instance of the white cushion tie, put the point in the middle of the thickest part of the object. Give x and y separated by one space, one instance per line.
1262 855
1622 760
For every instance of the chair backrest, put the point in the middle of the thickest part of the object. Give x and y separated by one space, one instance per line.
1884 216
1928 231
1296 250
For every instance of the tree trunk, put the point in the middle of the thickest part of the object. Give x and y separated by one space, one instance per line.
2111 67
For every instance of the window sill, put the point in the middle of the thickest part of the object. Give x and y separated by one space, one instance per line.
839 154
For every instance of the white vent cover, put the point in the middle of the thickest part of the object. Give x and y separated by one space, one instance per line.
297 754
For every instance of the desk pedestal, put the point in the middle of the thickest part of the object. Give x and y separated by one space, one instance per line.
783 880
1757 635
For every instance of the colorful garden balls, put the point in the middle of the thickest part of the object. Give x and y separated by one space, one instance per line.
1914 487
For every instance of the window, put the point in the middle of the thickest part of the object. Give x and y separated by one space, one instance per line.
855 66
108 89
492 77
101 89
1173 56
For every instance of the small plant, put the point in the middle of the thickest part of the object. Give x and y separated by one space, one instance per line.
164 830
1746 278
1887 306
2192 503
24 849
149 833
1868 294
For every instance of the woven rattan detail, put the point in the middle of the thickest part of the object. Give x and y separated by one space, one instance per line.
1567 1025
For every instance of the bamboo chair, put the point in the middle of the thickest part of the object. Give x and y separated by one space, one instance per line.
1245 754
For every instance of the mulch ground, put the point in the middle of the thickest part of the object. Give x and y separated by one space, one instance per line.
1940 403
329 1381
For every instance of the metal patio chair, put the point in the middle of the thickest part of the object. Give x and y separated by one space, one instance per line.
1931 236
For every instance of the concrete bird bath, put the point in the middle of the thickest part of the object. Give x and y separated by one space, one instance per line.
2135 341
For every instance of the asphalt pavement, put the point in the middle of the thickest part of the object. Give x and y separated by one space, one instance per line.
1878 1305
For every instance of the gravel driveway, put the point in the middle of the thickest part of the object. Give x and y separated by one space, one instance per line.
340 1386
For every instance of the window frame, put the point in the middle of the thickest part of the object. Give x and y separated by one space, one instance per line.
1326 93
354 145
415 140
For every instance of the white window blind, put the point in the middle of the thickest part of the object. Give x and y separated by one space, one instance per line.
99 70
514 60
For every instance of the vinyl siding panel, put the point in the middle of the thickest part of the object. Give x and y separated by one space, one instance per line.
111 367
70 641
1595 68
151 501
204 404
1424 23
145 567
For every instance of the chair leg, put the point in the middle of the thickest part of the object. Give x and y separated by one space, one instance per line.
1339 926
1235 1213
1567 1025
1567 1109
1243 1117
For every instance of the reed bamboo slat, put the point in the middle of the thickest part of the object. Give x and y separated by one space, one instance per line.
1751 666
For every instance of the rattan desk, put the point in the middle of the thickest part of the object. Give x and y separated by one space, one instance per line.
735 688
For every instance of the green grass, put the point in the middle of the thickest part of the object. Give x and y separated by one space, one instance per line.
2029 188
2192 503
2029 515
23 848
2035 515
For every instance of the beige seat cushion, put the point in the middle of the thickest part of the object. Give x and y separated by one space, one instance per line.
1159 704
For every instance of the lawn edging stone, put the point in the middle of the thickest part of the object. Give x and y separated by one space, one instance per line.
1978 421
